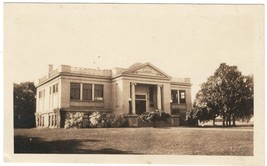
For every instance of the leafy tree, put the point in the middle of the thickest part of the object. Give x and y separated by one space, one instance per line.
227 93
24 104
245 103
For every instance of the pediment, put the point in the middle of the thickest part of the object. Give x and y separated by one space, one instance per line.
147 69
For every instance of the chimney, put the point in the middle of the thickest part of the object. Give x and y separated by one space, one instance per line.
50 68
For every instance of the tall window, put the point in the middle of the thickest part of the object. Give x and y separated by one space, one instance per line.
99 92
87 91
182 96
42 93
75 91
55 88
174 96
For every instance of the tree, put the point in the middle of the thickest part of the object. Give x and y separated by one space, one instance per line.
227 93
245 107
24 104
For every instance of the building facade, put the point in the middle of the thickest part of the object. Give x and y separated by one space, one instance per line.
131 91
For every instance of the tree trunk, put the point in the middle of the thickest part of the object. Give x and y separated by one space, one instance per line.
230 120
213 121
226 119
234 120
223 119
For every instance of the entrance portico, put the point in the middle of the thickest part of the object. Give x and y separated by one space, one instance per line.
145 97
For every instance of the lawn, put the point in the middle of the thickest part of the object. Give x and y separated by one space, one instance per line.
163 141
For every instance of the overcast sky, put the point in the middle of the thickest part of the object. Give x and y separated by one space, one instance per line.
182 40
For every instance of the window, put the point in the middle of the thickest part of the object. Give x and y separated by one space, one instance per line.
87 91
99 94
182 96
141 97
75 91
174 96
55 88
42 93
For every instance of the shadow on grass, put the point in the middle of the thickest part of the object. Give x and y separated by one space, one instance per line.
221 126
37 145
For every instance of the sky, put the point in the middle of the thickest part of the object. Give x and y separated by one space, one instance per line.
182 40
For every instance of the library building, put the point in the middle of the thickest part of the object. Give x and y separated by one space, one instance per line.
130 91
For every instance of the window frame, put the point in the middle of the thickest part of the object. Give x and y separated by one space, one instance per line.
55 88
96 92
83 92
174 100
72 90
41 93
182 100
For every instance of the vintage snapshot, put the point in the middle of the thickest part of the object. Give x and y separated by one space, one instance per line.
134 83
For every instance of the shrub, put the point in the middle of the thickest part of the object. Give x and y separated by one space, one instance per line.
112 120
106 120
154 116
192 117
75 120
85 123
94 119
165 116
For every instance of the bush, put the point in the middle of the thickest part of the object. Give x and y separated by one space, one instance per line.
86 123
94 119
106 120
154 116
112 120
75 120
192 117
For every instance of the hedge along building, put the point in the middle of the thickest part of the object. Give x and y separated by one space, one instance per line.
129 92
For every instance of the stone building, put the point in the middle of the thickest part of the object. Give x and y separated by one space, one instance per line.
131 91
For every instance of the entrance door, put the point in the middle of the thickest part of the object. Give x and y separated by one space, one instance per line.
140 104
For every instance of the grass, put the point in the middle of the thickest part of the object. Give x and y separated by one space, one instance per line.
163 141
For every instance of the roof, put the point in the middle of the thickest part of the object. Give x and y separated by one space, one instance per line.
139 66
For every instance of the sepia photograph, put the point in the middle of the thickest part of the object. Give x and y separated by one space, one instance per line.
134 83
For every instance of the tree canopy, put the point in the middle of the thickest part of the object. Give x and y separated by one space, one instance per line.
24 104
227 93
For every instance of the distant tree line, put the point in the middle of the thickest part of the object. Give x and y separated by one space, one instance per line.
227 94
24 103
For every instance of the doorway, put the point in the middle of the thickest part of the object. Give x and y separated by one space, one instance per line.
140 104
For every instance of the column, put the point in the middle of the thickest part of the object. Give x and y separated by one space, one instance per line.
81 91
133 97
159 96
93 92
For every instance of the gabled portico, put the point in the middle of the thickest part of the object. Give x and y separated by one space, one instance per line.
145 87
145 98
